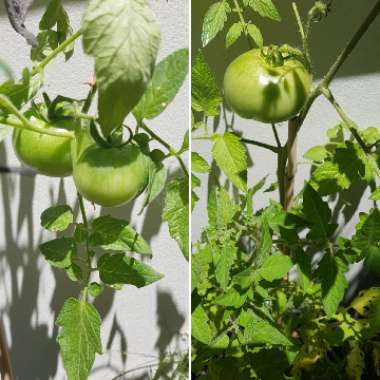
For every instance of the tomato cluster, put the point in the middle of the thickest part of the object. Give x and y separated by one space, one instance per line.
108 176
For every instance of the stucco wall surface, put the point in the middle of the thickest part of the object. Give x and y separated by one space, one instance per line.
139 325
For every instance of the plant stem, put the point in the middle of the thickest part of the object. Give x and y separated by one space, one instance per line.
339 61
292 162
277 138
88 255
171 150
304 36
261 145
90 98
5 363
351 126
20 121
55 52
281 169
242 20
346 120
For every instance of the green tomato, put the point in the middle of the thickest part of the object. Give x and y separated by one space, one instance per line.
48 155
254 89
111 176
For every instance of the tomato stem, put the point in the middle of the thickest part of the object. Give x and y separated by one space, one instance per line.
171 150
55 52
350 124
292 163
304 36
339 61
272 148
242 20
88 254
18 120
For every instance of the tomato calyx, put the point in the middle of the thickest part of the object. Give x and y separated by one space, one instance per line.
276 55
114 140
272 55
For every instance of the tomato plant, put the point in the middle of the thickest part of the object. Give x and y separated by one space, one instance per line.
270 284
110 166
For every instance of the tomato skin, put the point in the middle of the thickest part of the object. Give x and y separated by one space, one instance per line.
111 177
256 90
48 155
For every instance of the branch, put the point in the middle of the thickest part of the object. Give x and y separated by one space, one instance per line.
304 36
55 52
339 62
261 145
242 20
171 150
292 162
18 120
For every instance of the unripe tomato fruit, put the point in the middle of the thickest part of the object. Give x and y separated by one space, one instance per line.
111 176
255 89
48 155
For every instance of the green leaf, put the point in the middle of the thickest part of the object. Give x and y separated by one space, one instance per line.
275 267
255 33
227 209
234 33
168 78
59 252
263 332
116 235
54 16
214 21
158 174
372 259
199 164
121 269
365 299
95 289
374 317
231 298
123 36
57 218
231 156
200 263
74 272
327 179
331 272
205 94
176 212
355 362
375 196
200 328
316 153
24 90
318 213
47 41
224 264
367 232
265 245
79 337
265 8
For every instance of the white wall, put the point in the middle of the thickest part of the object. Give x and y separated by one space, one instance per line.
144 323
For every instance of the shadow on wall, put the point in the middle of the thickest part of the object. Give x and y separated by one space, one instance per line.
31 340
328 37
